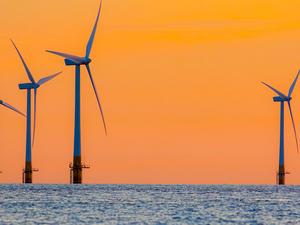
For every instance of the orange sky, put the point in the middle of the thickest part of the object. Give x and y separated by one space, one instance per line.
180 83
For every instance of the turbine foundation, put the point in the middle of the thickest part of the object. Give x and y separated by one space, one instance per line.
281 176
27 173
76 170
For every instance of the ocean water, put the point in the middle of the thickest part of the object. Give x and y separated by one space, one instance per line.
149 204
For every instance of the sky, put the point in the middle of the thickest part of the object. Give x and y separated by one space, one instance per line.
179 83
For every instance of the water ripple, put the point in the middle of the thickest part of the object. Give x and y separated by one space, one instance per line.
149 204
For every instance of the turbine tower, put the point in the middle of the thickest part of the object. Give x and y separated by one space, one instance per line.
11 108
282 98
27 172
77 61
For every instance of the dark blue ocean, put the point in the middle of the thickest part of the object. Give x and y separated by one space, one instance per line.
149 204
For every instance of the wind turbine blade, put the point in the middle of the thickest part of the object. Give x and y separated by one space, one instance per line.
98 100
75 58
34 116
91 40
293 126
293 85
46 79
12 108
24 64
276 91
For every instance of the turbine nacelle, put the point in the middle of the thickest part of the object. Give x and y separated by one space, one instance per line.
28 86
281 99
80 61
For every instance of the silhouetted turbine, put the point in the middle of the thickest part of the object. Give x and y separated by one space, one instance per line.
284 98
28 86
77 61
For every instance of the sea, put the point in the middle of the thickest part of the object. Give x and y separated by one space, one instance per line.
149 204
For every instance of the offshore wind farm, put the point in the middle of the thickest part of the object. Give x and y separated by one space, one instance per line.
82 116
162 102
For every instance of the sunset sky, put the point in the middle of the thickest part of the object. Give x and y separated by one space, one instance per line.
179 82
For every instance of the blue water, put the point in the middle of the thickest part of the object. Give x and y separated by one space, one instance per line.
149 204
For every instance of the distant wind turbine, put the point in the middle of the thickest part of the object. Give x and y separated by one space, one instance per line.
77 61
27 172
284 98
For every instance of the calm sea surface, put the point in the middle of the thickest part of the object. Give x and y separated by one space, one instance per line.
149 204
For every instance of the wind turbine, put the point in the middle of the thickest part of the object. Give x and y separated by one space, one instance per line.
27 172
77 61
282 98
